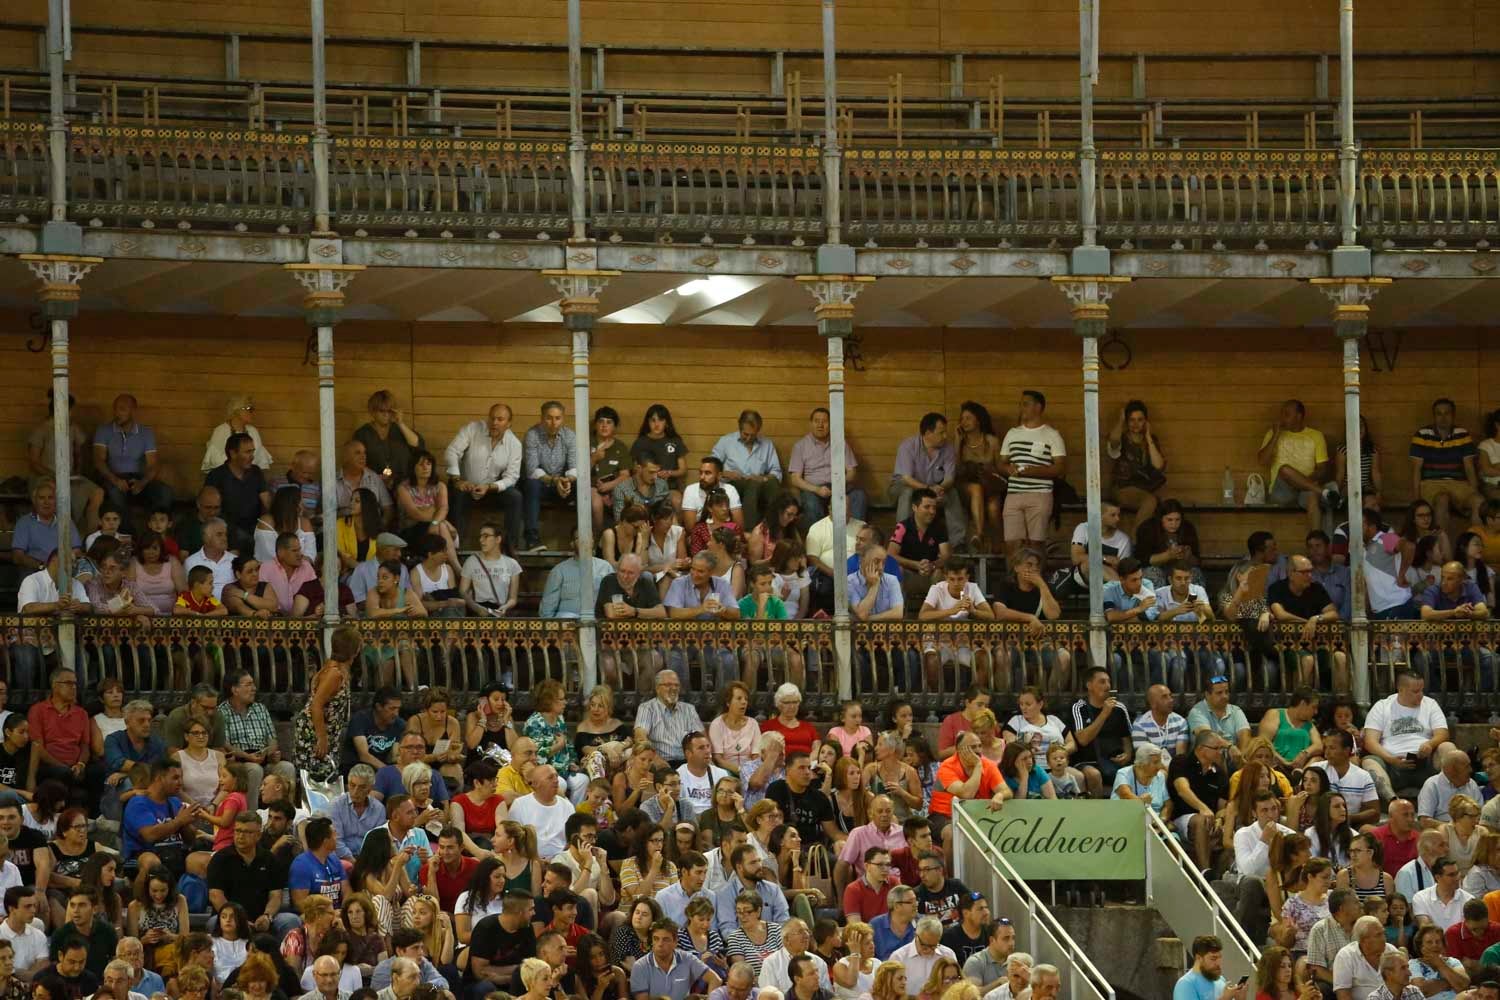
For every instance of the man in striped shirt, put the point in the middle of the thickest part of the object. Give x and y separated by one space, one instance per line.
1032 456
1443 470
1160 725
666 720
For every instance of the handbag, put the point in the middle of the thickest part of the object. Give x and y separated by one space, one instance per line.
1255 490
817 872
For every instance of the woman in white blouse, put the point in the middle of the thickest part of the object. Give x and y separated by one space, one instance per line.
239 418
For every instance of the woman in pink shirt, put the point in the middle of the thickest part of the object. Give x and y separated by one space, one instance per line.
851 730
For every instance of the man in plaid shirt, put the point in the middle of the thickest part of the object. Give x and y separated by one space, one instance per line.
252 738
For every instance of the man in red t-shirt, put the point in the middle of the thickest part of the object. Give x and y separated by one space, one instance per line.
60 731
964 776
918 833
976 700
864 898
447 873
1398 836
1468 939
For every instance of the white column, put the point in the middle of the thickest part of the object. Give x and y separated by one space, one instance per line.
1090 300
580 308
1351 320
322 305
835 294
59 292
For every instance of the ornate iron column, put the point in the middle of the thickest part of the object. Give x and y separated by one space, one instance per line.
835 295
59 292
322 306
1090 300
832 157
320 138
1351 321
580 308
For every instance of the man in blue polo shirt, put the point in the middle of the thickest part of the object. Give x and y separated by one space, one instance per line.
125 458
35 534
669 971
318 871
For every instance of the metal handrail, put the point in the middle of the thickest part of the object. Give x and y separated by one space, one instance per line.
1084 972
1241 955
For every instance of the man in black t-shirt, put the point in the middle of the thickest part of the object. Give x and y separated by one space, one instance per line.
1027 599
242 489
68 979
24 842
374 733
1199 787
626 593
801 804
1101 729
920 544
498 945
15 753
1301 599
937 895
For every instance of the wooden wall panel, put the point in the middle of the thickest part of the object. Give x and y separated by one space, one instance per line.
447 374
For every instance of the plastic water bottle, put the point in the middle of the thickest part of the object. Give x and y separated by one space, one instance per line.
1228 487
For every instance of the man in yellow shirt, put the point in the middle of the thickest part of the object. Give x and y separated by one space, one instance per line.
1296 457
511 782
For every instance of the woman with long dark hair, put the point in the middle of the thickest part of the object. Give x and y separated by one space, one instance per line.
285 517
422 499
1330 833
1168 538
481 899
1138 466
779 523
977 475
1369 466
659 441
1469 550
358 529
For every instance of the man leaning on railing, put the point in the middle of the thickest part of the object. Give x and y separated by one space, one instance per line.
1456 598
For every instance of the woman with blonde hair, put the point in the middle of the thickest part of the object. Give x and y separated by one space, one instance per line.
945 974
987 728
424 915
761 820
889 982
515 846
239 418
853 975
961 990
1463 832
536 976
633 784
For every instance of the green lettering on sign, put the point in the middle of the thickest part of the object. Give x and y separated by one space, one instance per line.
1067 839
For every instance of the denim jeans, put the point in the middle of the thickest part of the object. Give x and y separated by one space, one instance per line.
535 491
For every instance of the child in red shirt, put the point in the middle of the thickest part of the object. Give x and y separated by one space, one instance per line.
199 598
